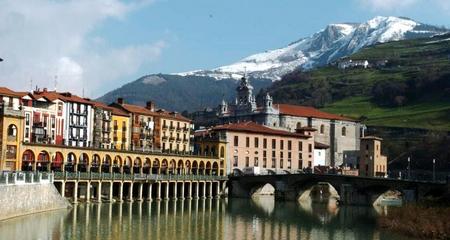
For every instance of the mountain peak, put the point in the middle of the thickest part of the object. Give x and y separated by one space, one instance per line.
334 41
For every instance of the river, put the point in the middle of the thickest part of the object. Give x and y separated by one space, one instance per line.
259 218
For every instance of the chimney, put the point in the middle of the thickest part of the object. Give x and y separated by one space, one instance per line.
150 106
45 90
120 101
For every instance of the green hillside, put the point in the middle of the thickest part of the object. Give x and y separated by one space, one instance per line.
407 86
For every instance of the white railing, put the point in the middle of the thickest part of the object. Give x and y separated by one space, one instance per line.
21 178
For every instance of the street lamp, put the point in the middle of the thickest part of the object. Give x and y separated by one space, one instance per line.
434 170
409 168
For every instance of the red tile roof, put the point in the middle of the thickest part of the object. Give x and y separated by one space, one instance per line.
137 109
118 111
172 115
303 111
318 145
8 92
252 127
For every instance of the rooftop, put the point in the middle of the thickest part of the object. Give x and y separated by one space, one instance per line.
252 127
304 111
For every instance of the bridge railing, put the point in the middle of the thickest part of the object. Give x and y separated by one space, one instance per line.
133 177
19 178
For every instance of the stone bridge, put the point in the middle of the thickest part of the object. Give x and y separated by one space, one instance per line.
351 190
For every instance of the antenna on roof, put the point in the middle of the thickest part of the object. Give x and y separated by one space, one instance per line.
56 81
31 84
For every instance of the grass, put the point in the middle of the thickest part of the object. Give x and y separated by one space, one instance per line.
418 221
426 114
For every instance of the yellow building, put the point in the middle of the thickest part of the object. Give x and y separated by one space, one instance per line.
371 162
212 144
11 120
120 132
173 132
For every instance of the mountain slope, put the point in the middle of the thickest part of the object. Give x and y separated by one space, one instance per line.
411 90
198 89
178 93
323 47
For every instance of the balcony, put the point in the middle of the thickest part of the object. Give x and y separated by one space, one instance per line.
164 127
171 128
171 139
116 127
178 140
106 140
164 138
178 129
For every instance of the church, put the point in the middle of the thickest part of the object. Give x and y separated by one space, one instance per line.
338 135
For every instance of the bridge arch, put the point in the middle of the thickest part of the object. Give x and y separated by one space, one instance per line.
57 164
201 168
71 162
96 163
195 167
188 167
43 161
137 165
146 168
127 165
164 167
172 166
315 190
208 168
106 164
156 166
83 163
28 160
117 164
180 167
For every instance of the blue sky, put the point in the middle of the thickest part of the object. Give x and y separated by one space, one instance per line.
101 45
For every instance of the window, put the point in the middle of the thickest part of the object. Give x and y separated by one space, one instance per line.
273 159
265 143
322 129
236 141
247 142
281 163
274 143
27 132
300 146
299 125
300 156
289 145
256 162
222 152
235 161
27 119
289 164
281 144
300 164
344 131
310 147
256 142
12 131
247 161
367 146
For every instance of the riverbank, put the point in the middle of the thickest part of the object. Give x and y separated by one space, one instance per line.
418 221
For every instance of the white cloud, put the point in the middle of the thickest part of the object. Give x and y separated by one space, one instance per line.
43 38
387 5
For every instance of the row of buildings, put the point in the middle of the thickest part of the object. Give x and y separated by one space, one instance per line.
273 137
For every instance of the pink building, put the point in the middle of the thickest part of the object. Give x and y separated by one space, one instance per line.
253 145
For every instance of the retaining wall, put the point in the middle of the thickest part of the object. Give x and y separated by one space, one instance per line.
22 199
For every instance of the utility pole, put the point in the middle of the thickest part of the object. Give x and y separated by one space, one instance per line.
409 168
434 170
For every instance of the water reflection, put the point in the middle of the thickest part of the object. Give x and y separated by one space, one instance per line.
259 218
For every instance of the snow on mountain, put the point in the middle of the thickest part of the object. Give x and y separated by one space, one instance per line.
325 46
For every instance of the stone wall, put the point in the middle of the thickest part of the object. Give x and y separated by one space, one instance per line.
22 199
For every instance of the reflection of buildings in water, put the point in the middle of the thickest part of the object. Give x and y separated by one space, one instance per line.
265 203
45 225
325 213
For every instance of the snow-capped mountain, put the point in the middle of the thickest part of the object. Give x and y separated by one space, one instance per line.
325 46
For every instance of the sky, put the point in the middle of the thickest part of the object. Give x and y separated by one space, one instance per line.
90 47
